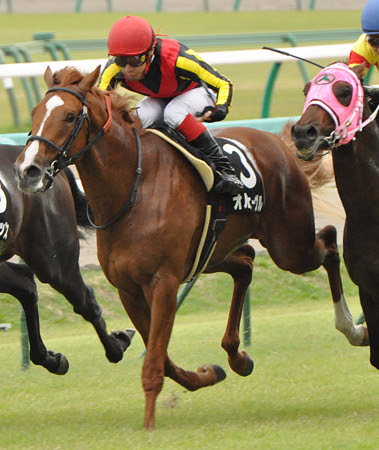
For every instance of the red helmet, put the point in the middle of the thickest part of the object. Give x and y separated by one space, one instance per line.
131 35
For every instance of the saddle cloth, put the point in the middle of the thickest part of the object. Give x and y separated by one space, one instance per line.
5 210
219 206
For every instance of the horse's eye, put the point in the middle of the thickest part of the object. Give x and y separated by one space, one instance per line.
70 117
343 92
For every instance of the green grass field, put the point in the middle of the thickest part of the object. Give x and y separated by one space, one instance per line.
310 389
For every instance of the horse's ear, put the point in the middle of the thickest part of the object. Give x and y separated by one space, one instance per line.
360 70
89 80
49 79
306 88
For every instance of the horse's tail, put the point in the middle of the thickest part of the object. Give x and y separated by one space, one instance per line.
319 171
80 201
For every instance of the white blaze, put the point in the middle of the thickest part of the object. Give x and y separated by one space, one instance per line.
33 148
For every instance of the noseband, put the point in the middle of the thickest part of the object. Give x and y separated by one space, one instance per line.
63 159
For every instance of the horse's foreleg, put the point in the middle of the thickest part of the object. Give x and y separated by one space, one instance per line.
355 334
18 281
153 370
83 300
114 343
371 312
162 294
157 364
240 266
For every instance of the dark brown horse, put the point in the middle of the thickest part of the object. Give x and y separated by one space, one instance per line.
150 207
43 231
338 118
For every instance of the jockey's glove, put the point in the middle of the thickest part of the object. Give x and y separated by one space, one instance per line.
219 112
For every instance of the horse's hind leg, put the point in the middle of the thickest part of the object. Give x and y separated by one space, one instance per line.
240 266
355 334
18 281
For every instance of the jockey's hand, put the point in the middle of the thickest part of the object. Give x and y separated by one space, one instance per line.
213 113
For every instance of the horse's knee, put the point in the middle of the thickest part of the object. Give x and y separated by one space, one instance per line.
241 264
88 308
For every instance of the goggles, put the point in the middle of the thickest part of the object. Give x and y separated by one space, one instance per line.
133 60
373 41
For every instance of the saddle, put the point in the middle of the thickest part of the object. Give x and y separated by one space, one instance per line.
218 206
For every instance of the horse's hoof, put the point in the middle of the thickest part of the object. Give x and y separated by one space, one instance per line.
220 373
62 361
63 366
125 337
249 366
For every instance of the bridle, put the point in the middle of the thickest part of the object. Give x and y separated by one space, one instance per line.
63 159
348 121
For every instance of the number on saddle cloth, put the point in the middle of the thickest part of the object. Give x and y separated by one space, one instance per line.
252 200
5 211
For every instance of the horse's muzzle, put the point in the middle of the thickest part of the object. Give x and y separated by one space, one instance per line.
308 141
30 179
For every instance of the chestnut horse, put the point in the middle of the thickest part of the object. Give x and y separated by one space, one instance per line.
149 206
337 117
42 230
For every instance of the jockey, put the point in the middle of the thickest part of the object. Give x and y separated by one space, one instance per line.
180 88
366 48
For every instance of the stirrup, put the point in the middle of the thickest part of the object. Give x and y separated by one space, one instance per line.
229 184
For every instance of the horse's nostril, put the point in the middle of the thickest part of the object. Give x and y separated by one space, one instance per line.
308 132
33 172
311 132
294 131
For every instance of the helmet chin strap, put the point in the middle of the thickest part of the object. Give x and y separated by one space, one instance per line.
148 62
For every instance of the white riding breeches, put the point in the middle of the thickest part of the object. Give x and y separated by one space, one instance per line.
174 111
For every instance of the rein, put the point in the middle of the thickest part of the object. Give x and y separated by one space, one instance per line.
133 196
63 159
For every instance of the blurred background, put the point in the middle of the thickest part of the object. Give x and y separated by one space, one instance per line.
37 30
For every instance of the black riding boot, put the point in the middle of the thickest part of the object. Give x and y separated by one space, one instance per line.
228 183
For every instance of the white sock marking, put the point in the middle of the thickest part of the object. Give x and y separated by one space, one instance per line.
344 322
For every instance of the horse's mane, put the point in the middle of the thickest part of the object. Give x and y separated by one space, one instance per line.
122 109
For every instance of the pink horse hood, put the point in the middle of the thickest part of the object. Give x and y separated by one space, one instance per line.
347 119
